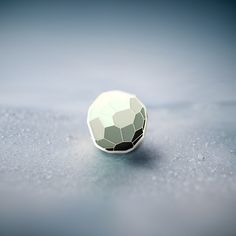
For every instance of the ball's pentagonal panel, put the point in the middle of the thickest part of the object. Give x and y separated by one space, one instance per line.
97 128
135 105
123 146
113 134
123 118
117 121
105 143
138 121
128 132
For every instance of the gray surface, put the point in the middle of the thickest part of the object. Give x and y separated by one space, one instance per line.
185 167
182 179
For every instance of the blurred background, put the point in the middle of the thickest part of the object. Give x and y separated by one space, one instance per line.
53 52
178 57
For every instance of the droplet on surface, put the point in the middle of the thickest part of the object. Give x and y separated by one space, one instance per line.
200 157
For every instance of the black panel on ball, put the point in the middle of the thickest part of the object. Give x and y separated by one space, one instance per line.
123 146
137 139
137 134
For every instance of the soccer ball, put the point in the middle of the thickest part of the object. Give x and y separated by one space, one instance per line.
117 121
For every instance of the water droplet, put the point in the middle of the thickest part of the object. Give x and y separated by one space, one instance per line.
154 177
224 176
200 157
213 171
48 177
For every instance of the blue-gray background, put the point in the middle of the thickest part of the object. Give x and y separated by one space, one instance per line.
177 57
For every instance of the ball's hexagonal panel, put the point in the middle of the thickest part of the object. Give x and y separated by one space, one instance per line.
97 128
117 121
143 113
113 134
144 123
105 143
128 132
138 121
135 105
123 118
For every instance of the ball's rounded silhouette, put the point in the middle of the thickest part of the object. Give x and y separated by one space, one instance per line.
117 121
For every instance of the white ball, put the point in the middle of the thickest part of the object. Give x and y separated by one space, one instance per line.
117 121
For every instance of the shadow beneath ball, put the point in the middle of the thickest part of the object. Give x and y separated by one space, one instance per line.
142 156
